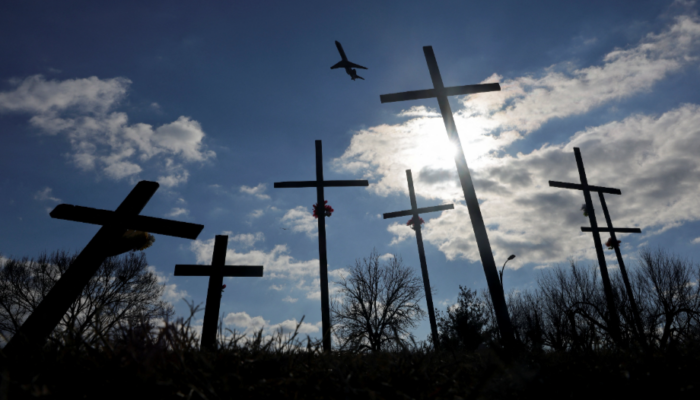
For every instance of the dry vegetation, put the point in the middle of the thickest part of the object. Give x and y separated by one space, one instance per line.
561 357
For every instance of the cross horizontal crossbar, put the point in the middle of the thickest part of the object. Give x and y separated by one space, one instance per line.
209 270
136 222
432 93
418 211
577 186
619 230
301 184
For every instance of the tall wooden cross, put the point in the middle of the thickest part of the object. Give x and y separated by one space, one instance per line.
621 263
49 312
216 273
607 287
319 184
482 240
415 211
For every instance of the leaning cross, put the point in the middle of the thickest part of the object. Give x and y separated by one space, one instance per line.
587 189
319 184
441 92
49 312
216 272
414 211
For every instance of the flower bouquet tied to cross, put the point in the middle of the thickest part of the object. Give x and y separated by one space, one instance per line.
131 241
410 223
327 210
611 243
222 290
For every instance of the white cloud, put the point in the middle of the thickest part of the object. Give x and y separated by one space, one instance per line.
170 293
653 159
419 111
249 325
248 239
386 257
277 263
36 95
696 240
257 191
44 195
289 299
256 213
300 219
102 139
276 287
178 211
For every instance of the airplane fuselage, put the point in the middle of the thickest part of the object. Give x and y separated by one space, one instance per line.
344 63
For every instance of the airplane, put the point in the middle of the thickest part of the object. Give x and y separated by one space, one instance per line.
347 64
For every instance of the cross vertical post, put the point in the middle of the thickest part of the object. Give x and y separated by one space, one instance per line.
216 272
623 271
614 318
441 92
319 184
607 287
323 258
56 303
414 212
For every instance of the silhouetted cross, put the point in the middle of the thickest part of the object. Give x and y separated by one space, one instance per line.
56 303
216 273
319 184
415 211
441 92
587 189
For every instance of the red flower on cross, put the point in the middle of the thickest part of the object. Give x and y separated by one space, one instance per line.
328 210
611 243
410 223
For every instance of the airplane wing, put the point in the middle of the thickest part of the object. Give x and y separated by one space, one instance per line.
347 64
351 65
340 50
339 65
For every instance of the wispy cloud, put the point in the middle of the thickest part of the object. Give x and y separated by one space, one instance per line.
170 292
177 211
45 195
248 239
102 139
300 219
258 191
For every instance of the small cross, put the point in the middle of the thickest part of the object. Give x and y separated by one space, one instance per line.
587 189
56 303
415 211
216 273
482 240
319 184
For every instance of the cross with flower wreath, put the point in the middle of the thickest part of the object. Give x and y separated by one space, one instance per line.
415 222
116 232
612 243
319 184
216 273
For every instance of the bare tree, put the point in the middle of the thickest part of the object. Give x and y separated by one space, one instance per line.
122 291
669 296
380 303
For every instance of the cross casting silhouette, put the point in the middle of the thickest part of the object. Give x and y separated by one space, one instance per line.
49 312
441 92
414 212
216 273
319 184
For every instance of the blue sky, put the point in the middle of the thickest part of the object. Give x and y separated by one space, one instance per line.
217 101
